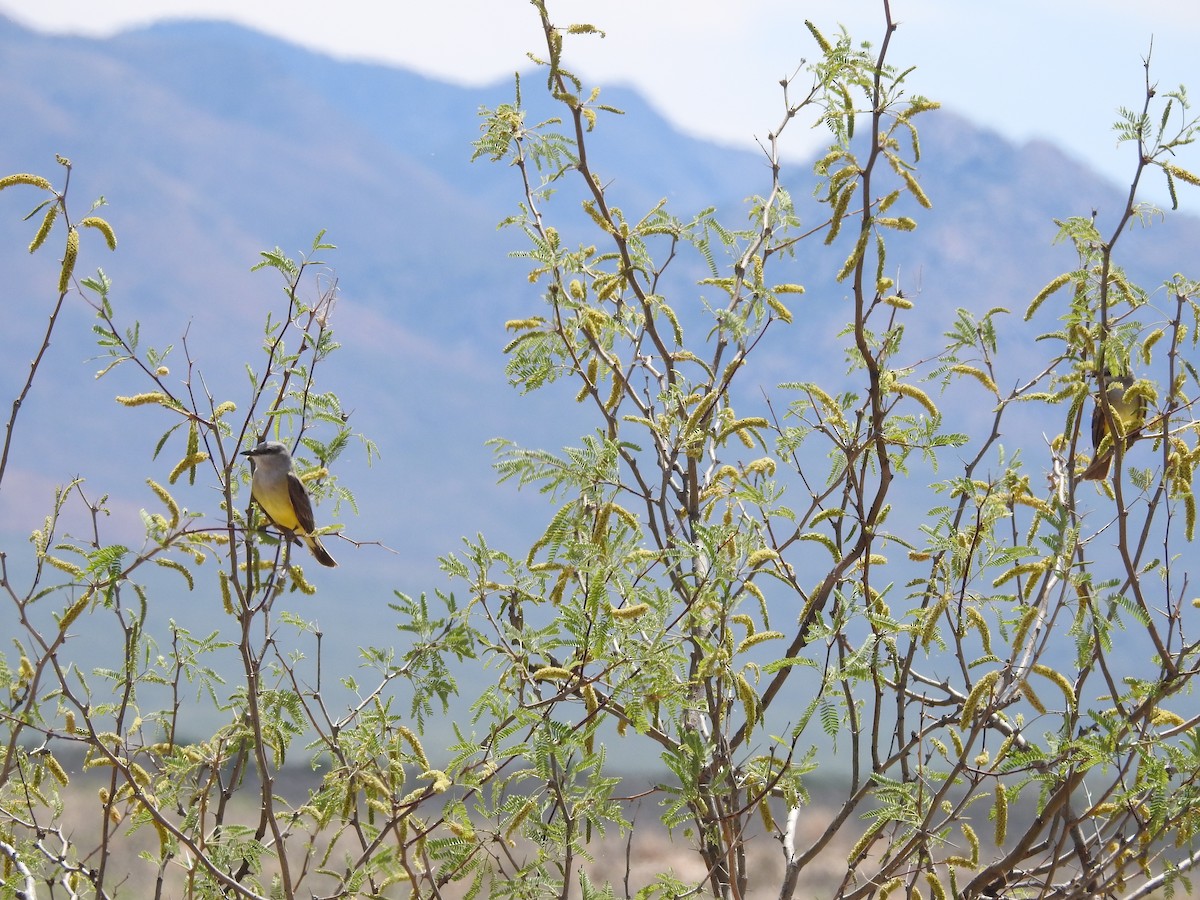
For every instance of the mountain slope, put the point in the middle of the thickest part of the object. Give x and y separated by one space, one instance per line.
212 142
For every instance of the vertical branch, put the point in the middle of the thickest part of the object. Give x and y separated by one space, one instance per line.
59 206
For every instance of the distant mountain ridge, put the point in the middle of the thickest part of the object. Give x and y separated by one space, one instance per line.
212 142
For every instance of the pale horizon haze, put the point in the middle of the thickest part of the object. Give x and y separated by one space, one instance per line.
1056 71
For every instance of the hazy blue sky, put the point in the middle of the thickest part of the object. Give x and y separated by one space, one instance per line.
1056 69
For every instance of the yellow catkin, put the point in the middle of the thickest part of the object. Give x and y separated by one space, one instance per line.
144 399
821 40
63 565
1148 343
226 594
614 396
764 812
779 309
25 178
70 255
763 466
590 701
1031 695
411 740
521 816
1020 571
1181 174
560 585
44 229
972 842
1034 503
861 845
1001 808
754 640
860 246
1005 746
167 500
75 610
299 582
978 374
185 464
623 514
1063 683
103 227
1045 292
899 223
1165 717
958 744
1023 627
524 324
751 588
592 321
164 838
56 769
971 704
915 189
750 701
930 628
761 557
740 425
676 329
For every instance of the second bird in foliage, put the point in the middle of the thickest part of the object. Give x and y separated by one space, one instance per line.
1128 411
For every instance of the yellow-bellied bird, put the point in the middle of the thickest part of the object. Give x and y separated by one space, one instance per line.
277 488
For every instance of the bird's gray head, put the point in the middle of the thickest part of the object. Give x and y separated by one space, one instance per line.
276 449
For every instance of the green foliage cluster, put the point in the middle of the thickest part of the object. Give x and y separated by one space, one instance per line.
724 590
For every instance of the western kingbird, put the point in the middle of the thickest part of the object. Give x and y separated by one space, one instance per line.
1131 411
276 488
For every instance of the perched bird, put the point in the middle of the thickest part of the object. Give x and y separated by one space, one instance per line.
281 494
1130 410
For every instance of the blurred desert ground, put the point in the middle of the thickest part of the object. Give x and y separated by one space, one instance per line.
629 861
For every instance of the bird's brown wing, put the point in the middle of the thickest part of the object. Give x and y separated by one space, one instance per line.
1131 418
1099 426
300 502
1098 470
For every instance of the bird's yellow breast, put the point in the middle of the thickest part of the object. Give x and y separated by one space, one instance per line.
278 505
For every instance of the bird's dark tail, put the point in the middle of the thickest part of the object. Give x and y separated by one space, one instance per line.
319 551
